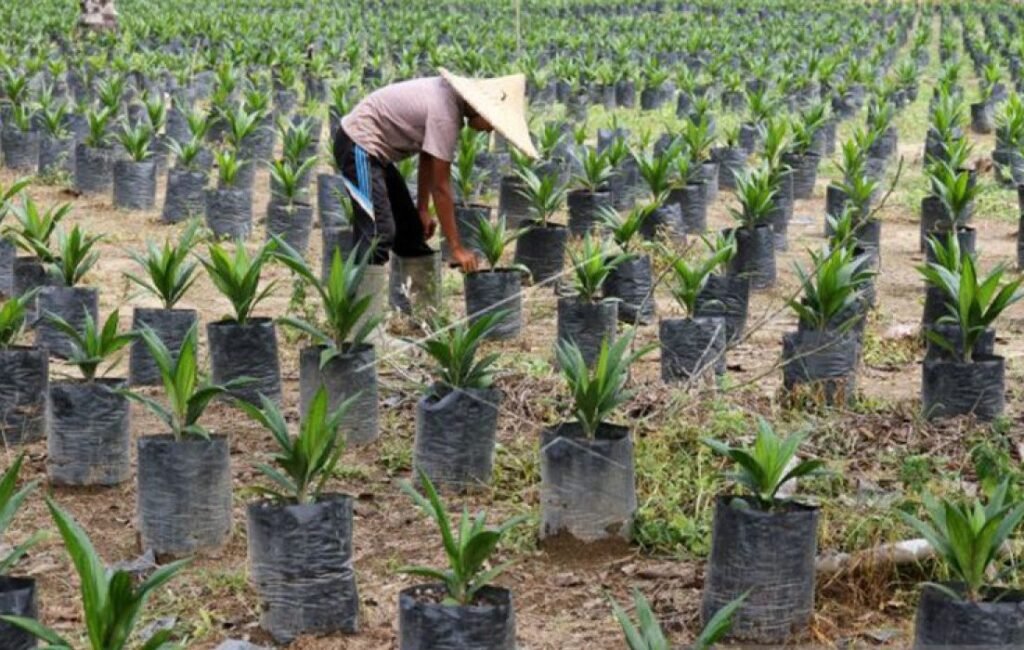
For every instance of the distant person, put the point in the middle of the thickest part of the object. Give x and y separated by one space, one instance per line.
424 117
97 14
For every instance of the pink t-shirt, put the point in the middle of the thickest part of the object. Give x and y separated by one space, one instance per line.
408 117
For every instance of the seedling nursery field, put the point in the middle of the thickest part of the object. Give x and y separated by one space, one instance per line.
789 222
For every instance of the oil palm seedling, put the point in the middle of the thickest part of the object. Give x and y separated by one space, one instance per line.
469 178
803 155
288 525
589 316
19 141
460 408
229 205
94 157
947 120
289 213
967 382
1009 131
832 289
820 358
724 293
983 110
496 288
56 144
87 420
773 536
646 633
776 138
17 594
460 601
657 172
186 181
589 450
631 281
112 601
74 256
340 358
24 374
168 272
969 538
135 177
689 191
692 347
592 194
241 344
32 233
755 243
184 478
948 252
950 205
541 248
8 249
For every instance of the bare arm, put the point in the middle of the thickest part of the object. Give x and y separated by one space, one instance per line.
444 205
424 180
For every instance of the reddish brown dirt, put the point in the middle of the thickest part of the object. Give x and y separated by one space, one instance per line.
560 604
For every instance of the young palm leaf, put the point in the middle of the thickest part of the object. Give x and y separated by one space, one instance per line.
344 308
690 278
755 189
596 170
287 179
719 625
454 346
135 140
835 283
491 239
546 195
646 633
75 256
306 462
467 546
968 537
92 346
974 302
13 315
591 265
10 501
111 600
187 392
169 271
598 391
237 276
763 469
624 230
35 228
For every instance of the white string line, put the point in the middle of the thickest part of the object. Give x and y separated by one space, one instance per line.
522 294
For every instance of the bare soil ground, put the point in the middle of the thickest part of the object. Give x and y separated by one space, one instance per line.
561 598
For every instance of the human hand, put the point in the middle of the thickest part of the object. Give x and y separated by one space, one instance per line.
465 259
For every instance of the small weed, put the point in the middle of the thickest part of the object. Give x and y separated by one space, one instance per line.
54 177
395 455
300 306
916 472
516 471
351 473
993 463
884 352
996 203
678 481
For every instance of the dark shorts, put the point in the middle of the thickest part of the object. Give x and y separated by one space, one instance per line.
396 224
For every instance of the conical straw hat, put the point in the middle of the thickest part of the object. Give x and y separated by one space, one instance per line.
501 101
